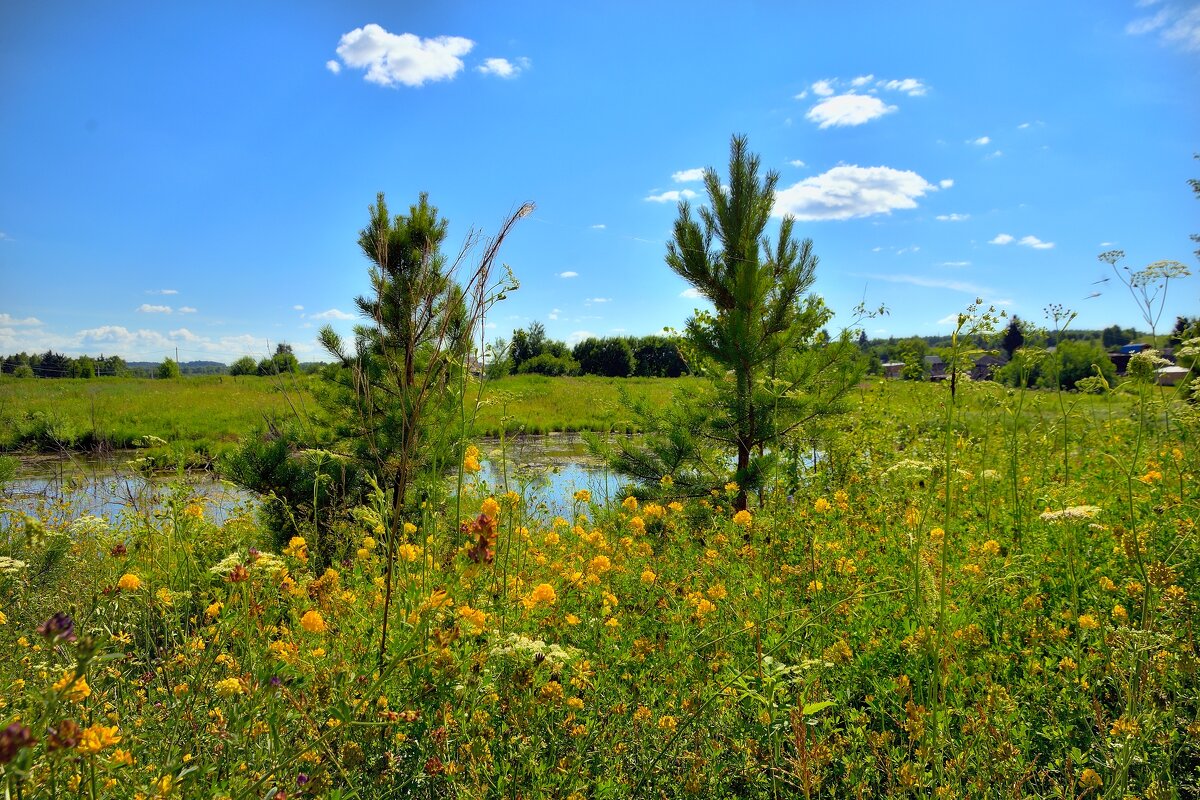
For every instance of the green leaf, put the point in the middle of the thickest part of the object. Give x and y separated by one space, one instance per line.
815 708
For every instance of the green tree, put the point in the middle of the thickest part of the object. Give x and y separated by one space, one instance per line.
168 369
760 315
285 360
1014 337
243 366
396 398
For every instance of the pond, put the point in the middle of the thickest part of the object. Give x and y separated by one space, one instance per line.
545 470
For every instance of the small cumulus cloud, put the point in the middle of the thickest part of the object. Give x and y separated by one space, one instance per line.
502 67
146 308
184 334
995 154
568 274
946 183
162 291
390 59
9 321
186 310
332 313
578 336
688 175
1035 243
851 191
956 263
333 66
691 293
553 315
297 308
1002 238
795 162
862 80
909 86
823 88
953 217
599 226
848 109
672 196
982 140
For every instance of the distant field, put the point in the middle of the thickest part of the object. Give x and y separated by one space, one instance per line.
205 415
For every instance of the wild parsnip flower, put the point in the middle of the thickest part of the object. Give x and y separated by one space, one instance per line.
743 519
129 582
313 622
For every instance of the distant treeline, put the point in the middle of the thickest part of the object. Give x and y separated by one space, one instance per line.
531 352
58 365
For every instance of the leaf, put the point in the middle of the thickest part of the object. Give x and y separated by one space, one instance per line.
810 709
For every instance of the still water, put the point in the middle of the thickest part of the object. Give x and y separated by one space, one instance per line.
545 470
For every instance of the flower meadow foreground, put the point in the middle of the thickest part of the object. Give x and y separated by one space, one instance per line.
929 611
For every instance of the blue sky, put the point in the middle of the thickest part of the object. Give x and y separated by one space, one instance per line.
195 175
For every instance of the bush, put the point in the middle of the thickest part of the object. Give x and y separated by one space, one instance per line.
547 364
243 366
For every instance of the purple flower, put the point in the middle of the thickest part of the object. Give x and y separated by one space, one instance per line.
275 680
12 739
301 779
59 628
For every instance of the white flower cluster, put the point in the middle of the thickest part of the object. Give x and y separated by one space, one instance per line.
1070 513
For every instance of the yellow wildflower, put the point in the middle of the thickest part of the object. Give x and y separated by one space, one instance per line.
543 593
313 622
73 689
129 582
648 576
821 506
194 510
490 508
230 687
1089 779
630 503
583 496
97 737
214 610
474 616
743 518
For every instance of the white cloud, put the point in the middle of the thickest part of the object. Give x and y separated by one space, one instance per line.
578 336
847 192
599 226
910 86
935 283
1002 238
848 109
1147 24
802 95
553 315
949 319
822 88
1023 126
7 320
391 59
1185 31
185 334
996 154
956 263
672 196
332 313
946 183
953 217
502 67
599 300
688 175
146 308
333 66
297 308
862 80
186 310
1035 243
162 291
981 141
795 162
568 274
691 293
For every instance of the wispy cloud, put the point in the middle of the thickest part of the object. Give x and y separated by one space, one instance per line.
1002 238
162 291
297 308
847 192
599 226
1026 241
956 263
332 313
981 141
390 59
1177 24
691 293
186 310
848 110
934 283
672 196
795 162
553 315
823 88
333 66
568 274
599 300
910 86
146 308
946 183
953 217
9 321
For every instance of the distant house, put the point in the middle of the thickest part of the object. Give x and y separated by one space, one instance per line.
1171 376
1133 349
1120 362
891 369
936 367
986 366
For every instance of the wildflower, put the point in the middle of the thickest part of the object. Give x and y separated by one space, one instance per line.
742 518
572 619
839 652
229 687
129 582
194 511
408 552
704 607
490 508
599 565
63 736
13 739
542 594
583 496
912 517
97 737
667 722
59 628
821 506
1087 622
675 506
474 616
297 548
936 535
73 686
648 576
1119 614
991 547
312 621
214 610
1123 726
1067 664
575 704
1070 513
471 463
438 598
1089 779
612 622
121 758
164 785
368 542
3 618
165 596
630 503
638 524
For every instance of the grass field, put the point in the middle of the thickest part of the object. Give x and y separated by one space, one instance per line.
201 416
992 595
